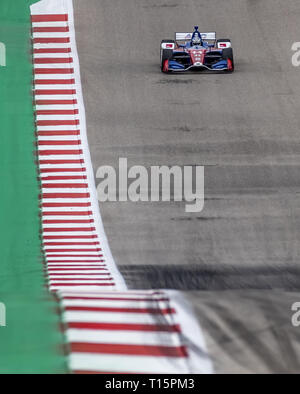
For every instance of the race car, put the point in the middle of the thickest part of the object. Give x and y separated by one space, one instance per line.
196 52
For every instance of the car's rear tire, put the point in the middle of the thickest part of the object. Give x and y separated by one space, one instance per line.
227 55
166 55
168 41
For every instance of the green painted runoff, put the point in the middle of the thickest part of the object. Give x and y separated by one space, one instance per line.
31 342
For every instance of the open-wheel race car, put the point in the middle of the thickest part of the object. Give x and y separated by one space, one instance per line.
196 52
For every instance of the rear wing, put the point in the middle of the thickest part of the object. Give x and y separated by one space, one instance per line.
188 36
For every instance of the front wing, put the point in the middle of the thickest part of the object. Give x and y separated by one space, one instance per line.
222 65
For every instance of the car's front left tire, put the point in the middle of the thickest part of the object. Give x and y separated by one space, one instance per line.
166 56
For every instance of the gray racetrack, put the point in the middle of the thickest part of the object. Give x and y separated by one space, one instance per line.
236 260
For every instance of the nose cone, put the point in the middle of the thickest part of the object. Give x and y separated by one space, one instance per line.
197 55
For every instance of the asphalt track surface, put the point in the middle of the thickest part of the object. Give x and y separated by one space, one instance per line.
237 261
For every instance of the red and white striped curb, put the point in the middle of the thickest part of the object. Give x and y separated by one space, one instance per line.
76 250
109 329
133 332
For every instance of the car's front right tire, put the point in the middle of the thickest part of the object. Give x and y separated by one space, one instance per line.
227 55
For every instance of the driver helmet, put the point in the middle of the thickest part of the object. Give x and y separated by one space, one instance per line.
196 40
